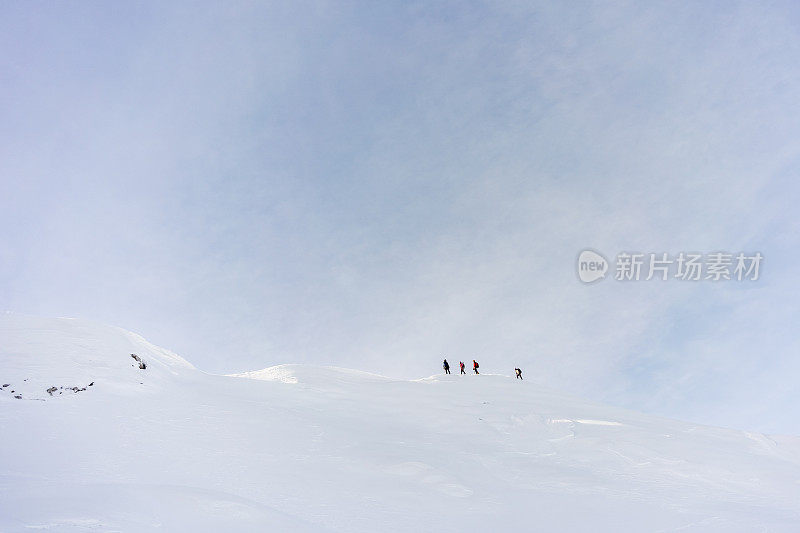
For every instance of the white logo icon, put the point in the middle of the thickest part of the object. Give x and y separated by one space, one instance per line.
591 266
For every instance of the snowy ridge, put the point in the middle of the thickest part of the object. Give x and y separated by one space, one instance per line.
312 375
41 353
304 448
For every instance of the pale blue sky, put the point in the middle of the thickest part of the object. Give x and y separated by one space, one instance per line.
376 185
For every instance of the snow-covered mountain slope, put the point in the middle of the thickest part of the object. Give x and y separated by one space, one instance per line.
300 448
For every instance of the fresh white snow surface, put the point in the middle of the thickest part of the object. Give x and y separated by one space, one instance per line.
302 448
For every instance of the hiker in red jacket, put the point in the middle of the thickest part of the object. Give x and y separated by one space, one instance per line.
475 366
461 364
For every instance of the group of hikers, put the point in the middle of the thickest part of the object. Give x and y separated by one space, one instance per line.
475 367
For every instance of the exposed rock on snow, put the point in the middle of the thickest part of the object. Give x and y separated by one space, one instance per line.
142 365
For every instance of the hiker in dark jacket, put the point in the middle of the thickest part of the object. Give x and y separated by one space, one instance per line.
461 364
446 367
475 366
518 372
